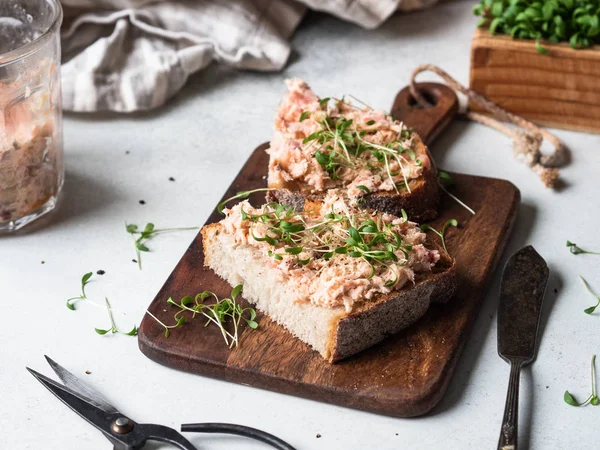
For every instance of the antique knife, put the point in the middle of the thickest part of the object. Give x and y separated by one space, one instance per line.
521 294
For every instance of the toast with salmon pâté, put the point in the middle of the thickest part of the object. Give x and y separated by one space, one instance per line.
321 144
338 277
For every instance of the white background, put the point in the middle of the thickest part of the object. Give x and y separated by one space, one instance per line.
202 138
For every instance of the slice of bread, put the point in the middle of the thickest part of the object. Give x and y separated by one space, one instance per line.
320 145
336 332
421 203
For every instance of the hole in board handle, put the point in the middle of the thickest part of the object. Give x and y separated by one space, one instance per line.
429 96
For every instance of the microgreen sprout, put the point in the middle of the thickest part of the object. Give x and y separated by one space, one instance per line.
442 232
304 116
242 195
446 180
113 327
84 281
591 309
219 312
576 250
342 144
573 21
303 239
593 398
140 237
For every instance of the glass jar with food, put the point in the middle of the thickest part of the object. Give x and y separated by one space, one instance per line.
31 146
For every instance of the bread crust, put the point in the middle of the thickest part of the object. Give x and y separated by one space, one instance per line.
421 204
372 322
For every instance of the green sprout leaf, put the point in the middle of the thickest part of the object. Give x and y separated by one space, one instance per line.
85 279
540 49
149 231
569 399
225 313
576 250
363 188
304 116
242 195
113 327
442 232
573 21
591 309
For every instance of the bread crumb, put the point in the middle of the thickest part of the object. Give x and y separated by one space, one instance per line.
142 202
100 272
88 372
318 436
42 262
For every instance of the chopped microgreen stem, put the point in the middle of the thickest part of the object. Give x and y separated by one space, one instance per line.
113 327
240 196
140 237
85 279
445 179
591 309
219 313
442 232
576 250
593 398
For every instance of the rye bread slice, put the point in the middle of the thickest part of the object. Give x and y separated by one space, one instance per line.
421 203
333 332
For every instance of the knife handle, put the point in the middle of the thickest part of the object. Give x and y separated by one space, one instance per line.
510 421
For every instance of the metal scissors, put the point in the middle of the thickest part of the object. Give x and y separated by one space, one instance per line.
123 432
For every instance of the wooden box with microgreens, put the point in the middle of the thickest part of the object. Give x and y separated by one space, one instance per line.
540 60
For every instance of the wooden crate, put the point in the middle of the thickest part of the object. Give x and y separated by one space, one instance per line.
560 89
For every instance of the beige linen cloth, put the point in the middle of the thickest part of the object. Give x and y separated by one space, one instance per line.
130 55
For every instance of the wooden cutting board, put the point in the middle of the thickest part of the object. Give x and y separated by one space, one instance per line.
407 374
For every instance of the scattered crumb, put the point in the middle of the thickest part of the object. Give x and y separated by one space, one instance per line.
547 387
127 152
264 177
396 434
171 179
88 372
318 436
555 291
134 260
142 202
101 272
42 262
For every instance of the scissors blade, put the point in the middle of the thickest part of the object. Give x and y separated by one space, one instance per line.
77 402
79 387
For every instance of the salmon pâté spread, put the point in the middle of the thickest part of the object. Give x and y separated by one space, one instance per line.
333 253
330 143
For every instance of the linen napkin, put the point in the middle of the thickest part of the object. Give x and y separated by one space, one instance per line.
130 55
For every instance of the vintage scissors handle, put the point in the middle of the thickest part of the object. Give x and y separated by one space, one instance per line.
239 430
161 433
125 434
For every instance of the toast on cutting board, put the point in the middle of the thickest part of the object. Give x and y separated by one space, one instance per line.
321 144
338 277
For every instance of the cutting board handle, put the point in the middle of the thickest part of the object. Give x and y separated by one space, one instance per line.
428 122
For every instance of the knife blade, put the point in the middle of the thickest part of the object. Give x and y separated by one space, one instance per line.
522 290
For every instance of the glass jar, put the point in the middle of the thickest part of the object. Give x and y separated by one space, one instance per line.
31 146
